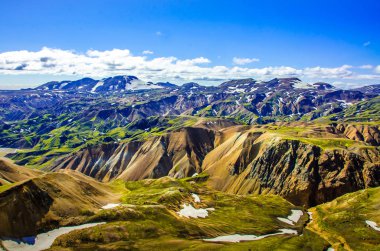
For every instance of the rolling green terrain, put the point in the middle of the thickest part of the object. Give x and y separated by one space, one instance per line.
342 221
147 219
76 135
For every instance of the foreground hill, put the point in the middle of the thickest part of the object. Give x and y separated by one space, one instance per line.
165 213
183 214
49 200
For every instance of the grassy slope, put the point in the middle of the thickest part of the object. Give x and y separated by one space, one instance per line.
75 136
342 221
148 220
314 134
364 111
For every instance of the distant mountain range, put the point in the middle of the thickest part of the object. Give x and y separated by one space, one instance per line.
248 100
123 99
132 83
112 84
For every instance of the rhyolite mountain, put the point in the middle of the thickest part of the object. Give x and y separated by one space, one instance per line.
252 150
295 163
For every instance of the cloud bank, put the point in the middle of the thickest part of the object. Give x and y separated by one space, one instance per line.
147 52
95 63
243 61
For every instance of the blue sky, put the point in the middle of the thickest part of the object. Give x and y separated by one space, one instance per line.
334 41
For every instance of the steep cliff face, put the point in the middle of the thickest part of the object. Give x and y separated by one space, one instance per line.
103 162
305 174
177 154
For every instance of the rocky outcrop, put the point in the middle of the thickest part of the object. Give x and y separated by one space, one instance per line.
103 162
304 173
178 154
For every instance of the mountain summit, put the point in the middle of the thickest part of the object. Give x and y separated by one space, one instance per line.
111 84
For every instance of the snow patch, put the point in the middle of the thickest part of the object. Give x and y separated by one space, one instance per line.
373 225
209 98
248 237
189 211
196 198
111 205
292 218
45 240
267 94
310 216
98 84
233 89
63 85
295 216
285 220
299 98
344 104
137 84
302 85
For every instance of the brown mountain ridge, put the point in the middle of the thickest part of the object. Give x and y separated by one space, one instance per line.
307 164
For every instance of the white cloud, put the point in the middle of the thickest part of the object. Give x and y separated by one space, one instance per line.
158 33
367 43
243 61
367 77
96 64
366 66
377 69
147 52
321 72
346 85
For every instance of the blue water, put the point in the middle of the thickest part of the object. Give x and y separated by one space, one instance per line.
29 239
